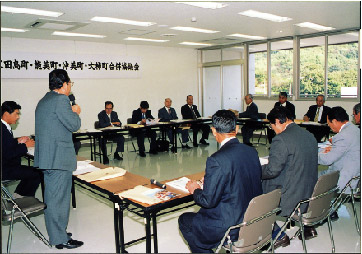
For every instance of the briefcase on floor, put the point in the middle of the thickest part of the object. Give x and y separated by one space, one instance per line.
162 145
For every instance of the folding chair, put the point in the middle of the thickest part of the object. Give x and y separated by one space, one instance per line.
131 135
96 126
344 197
319 208
261 127
13 209
256 229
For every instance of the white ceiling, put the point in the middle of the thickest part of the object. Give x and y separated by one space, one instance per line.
339 15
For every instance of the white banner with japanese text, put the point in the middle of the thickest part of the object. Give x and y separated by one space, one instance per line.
36 65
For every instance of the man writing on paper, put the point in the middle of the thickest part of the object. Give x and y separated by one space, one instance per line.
232 179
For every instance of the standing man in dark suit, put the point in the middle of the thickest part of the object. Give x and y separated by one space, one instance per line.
283 101
252 113
292 167
55 120
140 116
107 118
318 113
168 113
12 150
232 179
189 111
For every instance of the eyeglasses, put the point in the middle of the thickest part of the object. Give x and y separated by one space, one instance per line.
109 108
71 83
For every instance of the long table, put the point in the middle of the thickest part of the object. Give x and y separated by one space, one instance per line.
109 189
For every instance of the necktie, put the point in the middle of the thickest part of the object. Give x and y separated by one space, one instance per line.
110 117
316 115
143 116
193 113
169 111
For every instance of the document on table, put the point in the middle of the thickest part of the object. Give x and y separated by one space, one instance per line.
84 167
147 195
179 184
264 160
31 151
103 174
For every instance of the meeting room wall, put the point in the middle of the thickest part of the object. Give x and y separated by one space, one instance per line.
166 72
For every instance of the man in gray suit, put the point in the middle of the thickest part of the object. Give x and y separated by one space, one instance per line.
344 154
55 120
292 167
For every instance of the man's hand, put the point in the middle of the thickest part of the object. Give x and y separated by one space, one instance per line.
192 185
76 109
23 139
143 121
327 149
30 143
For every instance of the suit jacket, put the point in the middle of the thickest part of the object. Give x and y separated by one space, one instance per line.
313 110
165 116
187 113
54 124
250 112
137 115
289 106
11 152
232 179
345 155
104 119
292 167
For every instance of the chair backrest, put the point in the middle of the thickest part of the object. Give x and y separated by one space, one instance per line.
318 208
257 233
129 120
96 125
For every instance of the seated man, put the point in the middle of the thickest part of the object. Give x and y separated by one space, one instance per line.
345 153
11 152
168 113
283 101
292 167
250 112
189 111
139 116
317 113
357 114
232 179
106 118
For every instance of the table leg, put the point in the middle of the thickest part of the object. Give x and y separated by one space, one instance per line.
174 133
117 224
148 232
154 225
92 141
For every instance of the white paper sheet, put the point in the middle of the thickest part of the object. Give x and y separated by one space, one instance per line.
179 184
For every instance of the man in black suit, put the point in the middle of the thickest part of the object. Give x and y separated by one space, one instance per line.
189 111
283 101
250 112
108 118
232 178
167 113
140 116
357 114
317 113
11 152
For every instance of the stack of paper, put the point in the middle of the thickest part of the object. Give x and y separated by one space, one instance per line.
103 174
31 150
84 167
179 184
264 160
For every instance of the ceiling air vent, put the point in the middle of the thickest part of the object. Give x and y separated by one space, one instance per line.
59 25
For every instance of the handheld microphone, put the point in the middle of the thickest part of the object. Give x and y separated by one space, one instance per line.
72 99
155 182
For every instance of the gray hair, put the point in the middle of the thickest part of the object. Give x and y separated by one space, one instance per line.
324 99
357 108
250 96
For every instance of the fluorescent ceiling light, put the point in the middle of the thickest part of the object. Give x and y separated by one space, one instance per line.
122 21
248 36
193 29
5 29
264 15
143 39
31 11
77 34
314 26
208 5
194 43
